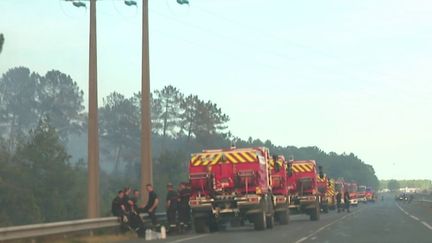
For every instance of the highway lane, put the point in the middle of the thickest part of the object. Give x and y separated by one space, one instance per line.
379 222
383 222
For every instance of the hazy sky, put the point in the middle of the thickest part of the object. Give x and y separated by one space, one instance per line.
346 76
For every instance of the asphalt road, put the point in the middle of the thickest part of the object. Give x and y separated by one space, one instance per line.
384 221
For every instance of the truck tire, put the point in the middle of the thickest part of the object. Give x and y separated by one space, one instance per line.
235 222
315 213
201 225
260 220
283 217
213 225
270 222
325 208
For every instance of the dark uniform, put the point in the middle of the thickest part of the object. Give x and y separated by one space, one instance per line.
126 199
347 201
171 198
134 201
339 201
183 207
152 196
116 208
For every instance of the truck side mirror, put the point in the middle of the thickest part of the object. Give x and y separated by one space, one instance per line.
321 173
276 164
277 167
289 170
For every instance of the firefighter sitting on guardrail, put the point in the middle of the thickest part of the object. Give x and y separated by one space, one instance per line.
118 209
152 203
125 207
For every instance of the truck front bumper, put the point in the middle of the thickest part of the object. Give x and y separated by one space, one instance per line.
238 205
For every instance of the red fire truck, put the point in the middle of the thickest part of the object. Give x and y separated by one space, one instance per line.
279 185
231 185
353 189
361 194
302 182
324 192
370 195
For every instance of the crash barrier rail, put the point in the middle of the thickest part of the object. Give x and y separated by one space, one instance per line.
34 231
425 201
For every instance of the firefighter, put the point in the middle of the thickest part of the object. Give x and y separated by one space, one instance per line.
126 199
134 201
152 203
117 207
171 205
339 201
183 206
347 201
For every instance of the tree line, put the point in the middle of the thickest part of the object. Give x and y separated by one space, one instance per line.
43 144
394 185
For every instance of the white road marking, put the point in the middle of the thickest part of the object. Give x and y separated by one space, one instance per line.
414 217
326 226
426 224
301 239
188 238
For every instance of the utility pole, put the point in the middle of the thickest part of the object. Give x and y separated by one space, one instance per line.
93 134
146 153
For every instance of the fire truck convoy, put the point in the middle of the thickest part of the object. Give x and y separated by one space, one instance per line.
236 185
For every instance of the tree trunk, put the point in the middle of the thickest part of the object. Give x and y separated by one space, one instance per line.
189 131
165 120
117 160
12 133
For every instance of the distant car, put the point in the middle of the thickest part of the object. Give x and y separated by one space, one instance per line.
402 197
354 202
362 199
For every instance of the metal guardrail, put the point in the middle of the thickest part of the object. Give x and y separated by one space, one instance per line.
58 228
425 201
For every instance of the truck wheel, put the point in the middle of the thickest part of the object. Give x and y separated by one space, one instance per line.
283 217
201 225
270 222
235 222
315 213
325 208
213 225
260 221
